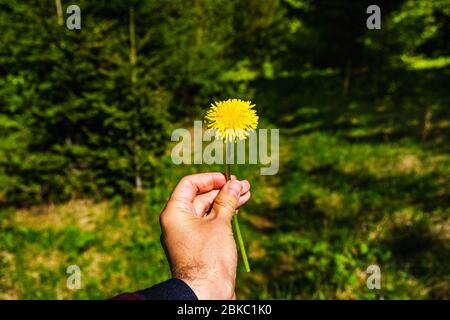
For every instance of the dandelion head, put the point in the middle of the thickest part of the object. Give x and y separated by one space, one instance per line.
232 119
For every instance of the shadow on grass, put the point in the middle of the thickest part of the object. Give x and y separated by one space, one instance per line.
388 107
321 230
304 232
423 253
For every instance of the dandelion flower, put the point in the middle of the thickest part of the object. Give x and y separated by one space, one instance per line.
232 119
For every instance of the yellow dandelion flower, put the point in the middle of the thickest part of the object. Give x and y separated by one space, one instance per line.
232 119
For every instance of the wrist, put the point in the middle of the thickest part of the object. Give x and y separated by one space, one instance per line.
204 289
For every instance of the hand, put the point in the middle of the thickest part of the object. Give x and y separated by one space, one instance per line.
197 234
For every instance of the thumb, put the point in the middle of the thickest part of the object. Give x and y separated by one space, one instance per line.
227 200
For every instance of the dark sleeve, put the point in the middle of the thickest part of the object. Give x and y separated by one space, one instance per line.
172 289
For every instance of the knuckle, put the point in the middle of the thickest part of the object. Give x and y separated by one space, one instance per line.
185 179
226 202
165 219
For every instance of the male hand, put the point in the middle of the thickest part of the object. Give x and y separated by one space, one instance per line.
197 234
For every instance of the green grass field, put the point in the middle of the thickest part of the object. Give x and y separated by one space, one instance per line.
362 181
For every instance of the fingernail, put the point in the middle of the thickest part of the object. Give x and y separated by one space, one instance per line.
234 188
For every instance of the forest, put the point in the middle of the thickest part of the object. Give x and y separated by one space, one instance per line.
86 117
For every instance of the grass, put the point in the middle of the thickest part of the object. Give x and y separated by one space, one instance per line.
363 180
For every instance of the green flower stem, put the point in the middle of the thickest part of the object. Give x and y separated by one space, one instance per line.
241 242
235 216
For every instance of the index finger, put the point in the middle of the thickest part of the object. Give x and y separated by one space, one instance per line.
190 186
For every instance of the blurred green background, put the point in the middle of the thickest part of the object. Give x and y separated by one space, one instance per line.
86 117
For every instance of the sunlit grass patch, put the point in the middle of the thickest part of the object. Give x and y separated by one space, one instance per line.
82 213
116 247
